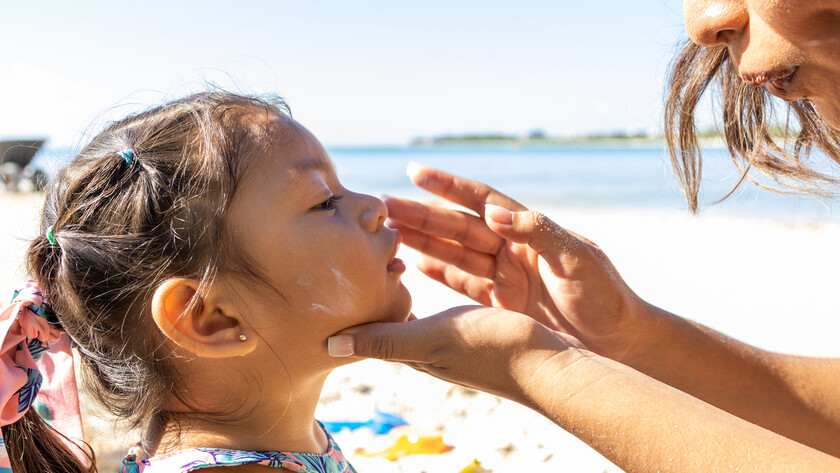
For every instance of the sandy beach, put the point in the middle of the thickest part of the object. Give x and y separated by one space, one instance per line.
768 283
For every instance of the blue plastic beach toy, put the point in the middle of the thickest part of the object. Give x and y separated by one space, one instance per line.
381 423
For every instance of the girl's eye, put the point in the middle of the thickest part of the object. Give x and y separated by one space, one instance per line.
328 204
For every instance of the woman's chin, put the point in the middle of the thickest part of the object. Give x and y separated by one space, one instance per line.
830 112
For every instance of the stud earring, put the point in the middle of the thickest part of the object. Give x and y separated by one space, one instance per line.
242 337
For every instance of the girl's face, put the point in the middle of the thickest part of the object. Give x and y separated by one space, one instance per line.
792 47
323 250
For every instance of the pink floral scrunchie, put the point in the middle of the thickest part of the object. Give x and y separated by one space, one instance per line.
36 369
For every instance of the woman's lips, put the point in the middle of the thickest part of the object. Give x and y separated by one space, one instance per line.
778 82
758 78
782 87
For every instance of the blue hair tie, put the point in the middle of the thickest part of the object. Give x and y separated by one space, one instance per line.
128 155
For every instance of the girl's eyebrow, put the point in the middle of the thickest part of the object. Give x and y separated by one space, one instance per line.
310 164
302 168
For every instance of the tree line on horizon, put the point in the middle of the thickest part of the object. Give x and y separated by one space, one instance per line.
540 137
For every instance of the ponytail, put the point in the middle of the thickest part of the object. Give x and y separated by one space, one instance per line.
36 370
34 446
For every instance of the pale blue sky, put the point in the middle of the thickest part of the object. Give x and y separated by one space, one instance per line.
366 72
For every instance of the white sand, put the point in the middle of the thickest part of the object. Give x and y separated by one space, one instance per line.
768 283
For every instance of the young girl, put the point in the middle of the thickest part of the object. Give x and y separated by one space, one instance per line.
199 255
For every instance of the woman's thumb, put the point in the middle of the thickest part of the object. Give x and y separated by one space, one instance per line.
401 341
534 229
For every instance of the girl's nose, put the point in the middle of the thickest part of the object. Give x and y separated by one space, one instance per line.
374 213
713 22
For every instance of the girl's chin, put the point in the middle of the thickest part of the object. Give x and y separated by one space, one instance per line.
398 315
400 310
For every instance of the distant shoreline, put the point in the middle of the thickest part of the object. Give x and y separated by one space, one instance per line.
526 142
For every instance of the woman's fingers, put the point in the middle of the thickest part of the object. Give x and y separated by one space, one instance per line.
475 287
452 252
554 243
471 194
469 230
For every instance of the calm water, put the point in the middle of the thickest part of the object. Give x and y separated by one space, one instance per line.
580 177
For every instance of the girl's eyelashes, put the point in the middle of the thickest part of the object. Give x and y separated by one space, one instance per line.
328 204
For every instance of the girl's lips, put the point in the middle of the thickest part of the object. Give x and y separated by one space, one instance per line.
396 266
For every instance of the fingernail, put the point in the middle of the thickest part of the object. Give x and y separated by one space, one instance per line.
340 345
388 200
498 214
412 170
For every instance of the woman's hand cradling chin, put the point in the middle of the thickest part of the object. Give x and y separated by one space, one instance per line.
493 350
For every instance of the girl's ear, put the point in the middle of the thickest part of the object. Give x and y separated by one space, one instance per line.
201 325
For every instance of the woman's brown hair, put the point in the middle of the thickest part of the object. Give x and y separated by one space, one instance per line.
749 125
121 228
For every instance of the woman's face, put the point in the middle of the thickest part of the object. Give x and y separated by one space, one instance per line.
791 47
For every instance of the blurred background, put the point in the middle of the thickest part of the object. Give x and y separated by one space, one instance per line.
554 102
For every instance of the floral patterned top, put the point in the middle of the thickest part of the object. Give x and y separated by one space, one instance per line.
184 461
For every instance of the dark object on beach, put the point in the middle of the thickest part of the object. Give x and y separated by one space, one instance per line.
19 152
15 173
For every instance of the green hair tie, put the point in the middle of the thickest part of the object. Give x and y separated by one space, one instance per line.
50 237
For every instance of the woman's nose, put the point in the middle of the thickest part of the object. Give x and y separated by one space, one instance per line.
713 22
374 213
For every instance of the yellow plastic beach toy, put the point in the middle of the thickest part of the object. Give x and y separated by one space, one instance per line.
411 444
475 467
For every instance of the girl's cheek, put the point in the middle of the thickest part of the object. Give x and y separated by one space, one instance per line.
315 308
331 294
346 294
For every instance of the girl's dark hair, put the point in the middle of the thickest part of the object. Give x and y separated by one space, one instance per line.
34 446
122 229
748 127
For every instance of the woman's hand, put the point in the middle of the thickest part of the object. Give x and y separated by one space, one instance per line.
635 421
484 348
518 259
